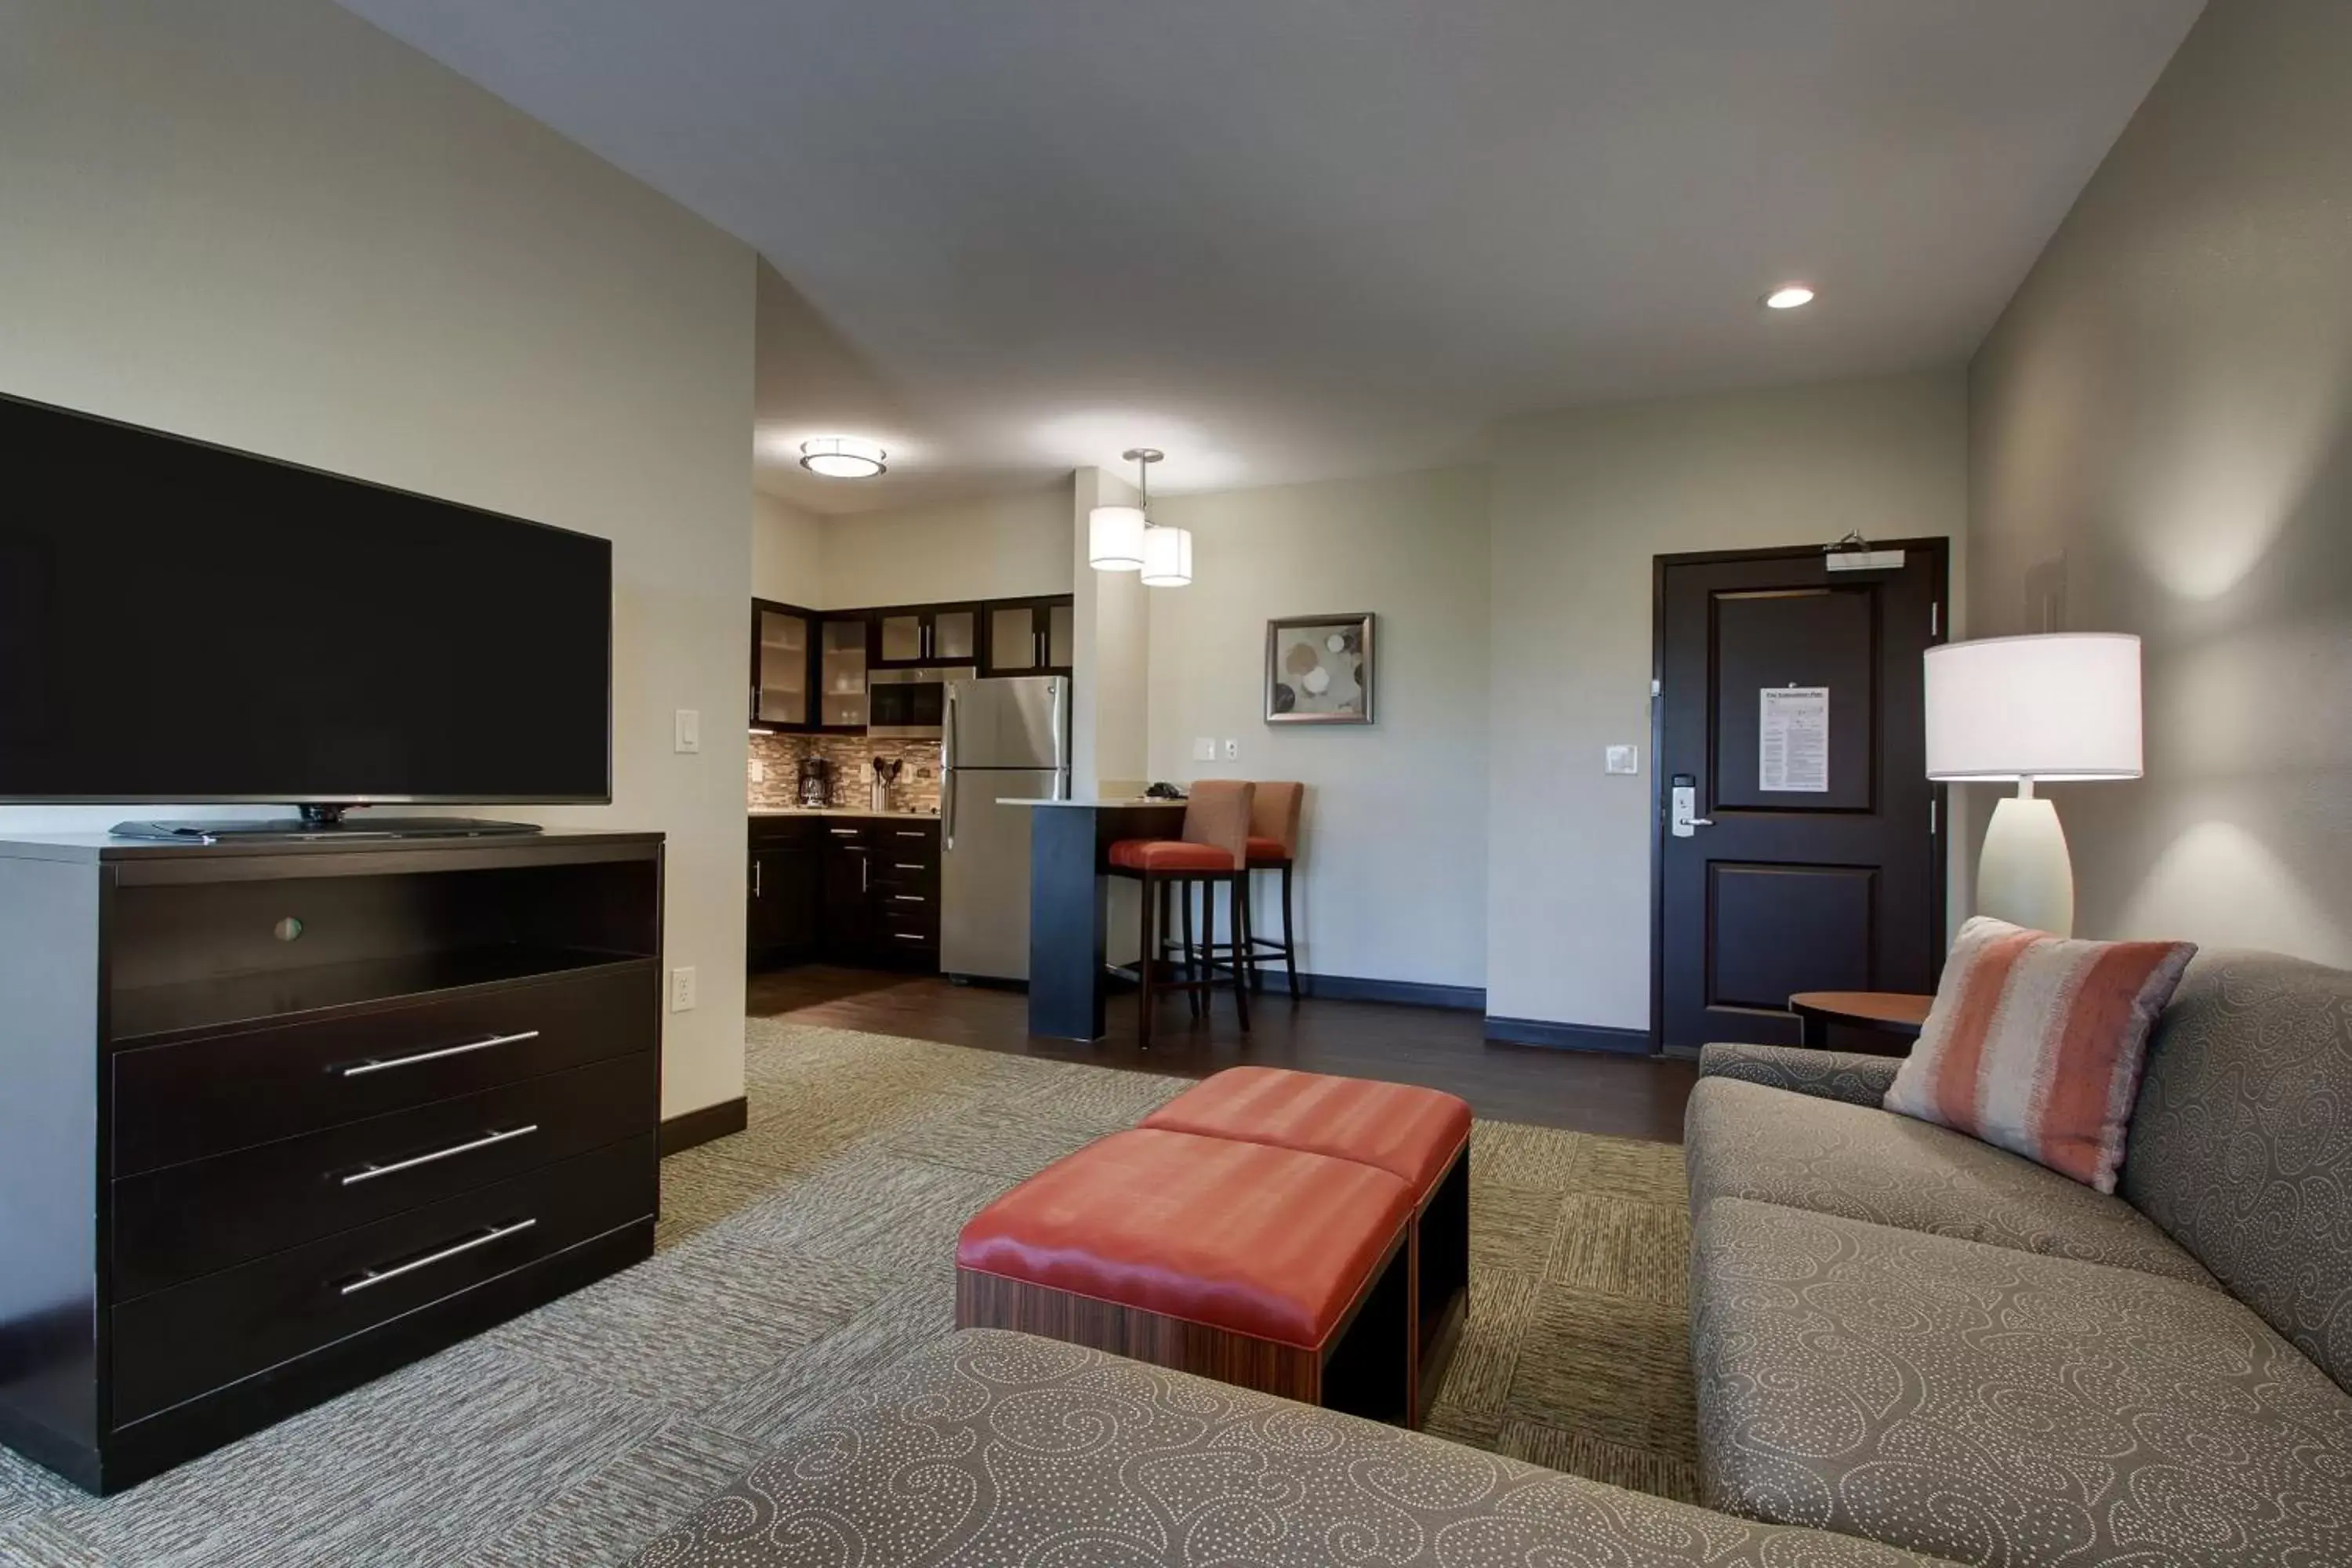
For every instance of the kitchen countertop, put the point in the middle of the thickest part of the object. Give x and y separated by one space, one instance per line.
838 810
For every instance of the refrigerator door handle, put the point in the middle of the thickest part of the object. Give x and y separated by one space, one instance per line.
948 774
1061 720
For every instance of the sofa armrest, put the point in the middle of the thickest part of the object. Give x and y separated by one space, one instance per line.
1851 1075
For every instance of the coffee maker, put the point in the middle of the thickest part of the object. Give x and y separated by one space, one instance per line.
816 786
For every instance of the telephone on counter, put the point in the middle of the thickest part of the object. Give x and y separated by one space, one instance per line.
1163 791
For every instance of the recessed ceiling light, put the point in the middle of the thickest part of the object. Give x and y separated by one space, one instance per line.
842 458
1787 297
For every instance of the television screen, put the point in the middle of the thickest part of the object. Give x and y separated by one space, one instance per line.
180 621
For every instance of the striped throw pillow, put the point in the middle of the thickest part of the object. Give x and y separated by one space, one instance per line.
2034 1044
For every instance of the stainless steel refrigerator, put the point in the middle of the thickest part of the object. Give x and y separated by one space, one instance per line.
1008 738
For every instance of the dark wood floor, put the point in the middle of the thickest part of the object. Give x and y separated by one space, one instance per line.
1627 1097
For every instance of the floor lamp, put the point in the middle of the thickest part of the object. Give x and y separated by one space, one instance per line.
2058 707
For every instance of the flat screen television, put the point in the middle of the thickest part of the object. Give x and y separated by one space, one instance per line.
185 623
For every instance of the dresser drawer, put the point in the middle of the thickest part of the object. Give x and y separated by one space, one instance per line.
177 1223
206 1097
176 1344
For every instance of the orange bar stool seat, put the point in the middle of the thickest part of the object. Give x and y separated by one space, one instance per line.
1212 853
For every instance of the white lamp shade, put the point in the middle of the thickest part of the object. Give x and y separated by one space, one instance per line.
2061 706
1167 557
1115 539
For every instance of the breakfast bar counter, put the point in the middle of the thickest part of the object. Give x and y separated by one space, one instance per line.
1069 903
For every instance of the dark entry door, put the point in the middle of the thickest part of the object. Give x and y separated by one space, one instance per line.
1789 706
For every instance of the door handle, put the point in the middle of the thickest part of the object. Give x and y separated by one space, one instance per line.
1684 820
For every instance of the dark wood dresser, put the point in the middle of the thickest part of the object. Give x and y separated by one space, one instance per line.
278 1117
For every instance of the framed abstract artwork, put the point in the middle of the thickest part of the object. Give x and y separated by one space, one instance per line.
1318 670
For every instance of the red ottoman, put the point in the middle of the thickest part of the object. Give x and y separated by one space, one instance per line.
1264 1267
1419 1135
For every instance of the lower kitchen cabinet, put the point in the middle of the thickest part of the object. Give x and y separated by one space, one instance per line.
787 857
856 890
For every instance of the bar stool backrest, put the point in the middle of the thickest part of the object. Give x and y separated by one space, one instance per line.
1273 814
1218 814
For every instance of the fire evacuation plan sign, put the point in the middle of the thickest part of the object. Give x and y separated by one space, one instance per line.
1793 744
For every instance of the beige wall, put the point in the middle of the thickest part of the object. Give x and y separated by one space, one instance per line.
2162 432
787 553
994 547
1582 500
1110 697
1393 868
270 226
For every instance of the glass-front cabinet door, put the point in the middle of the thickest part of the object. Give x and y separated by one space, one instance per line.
841 673
780 665
1012 640
1030 636
900 637
923 634
955 634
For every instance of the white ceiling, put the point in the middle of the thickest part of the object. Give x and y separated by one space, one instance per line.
1287 239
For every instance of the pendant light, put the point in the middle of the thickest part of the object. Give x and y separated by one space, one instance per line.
1167 557
1115 533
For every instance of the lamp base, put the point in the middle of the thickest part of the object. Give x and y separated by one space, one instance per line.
2023 874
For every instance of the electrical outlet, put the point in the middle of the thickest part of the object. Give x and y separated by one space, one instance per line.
1204 748
689 731
1232 749
681 989
1624 760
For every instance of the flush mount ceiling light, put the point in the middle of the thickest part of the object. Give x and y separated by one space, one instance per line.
842 458
1787 297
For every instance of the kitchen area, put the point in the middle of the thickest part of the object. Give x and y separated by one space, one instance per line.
881 741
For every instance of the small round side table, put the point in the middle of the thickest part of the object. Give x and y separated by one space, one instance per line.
1897 1013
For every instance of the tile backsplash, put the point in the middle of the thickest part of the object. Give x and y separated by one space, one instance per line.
917 788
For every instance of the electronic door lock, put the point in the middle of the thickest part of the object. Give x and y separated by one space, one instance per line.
1683 816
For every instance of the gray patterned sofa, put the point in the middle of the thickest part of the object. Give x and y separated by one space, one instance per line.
1902 1334
1000 1450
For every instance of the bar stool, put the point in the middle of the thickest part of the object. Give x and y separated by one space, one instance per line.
1273 846
1214 850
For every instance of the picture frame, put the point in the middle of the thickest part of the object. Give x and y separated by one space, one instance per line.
1318 670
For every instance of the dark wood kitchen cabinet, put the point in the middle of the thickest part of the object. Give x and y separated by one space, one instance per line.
786 858
915 637
1029 636
875 885
784 667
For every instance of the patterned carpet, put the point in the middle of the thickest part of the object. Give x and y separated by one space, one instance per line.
817 1244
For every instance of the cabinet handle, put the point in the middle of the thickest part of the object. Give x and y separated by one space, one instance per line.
369 1173
906 936
843 832
756 866
385 1064
916 833
908 898
375 1276
863 867
911 865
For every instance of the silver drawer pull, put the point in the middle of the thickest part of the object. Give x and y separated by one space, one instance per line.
908 898
918 833
379 1064
906 936
374 1276
845 832
369 1173
911 866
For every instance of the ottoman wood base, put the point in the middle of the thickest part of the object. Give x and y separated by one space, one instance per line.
1365 1368
1440 1243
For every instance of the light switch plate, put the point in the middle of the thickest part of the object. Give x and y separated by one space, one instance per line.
1624 760
682 990
758 771
1232 749
1204 748
689 729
